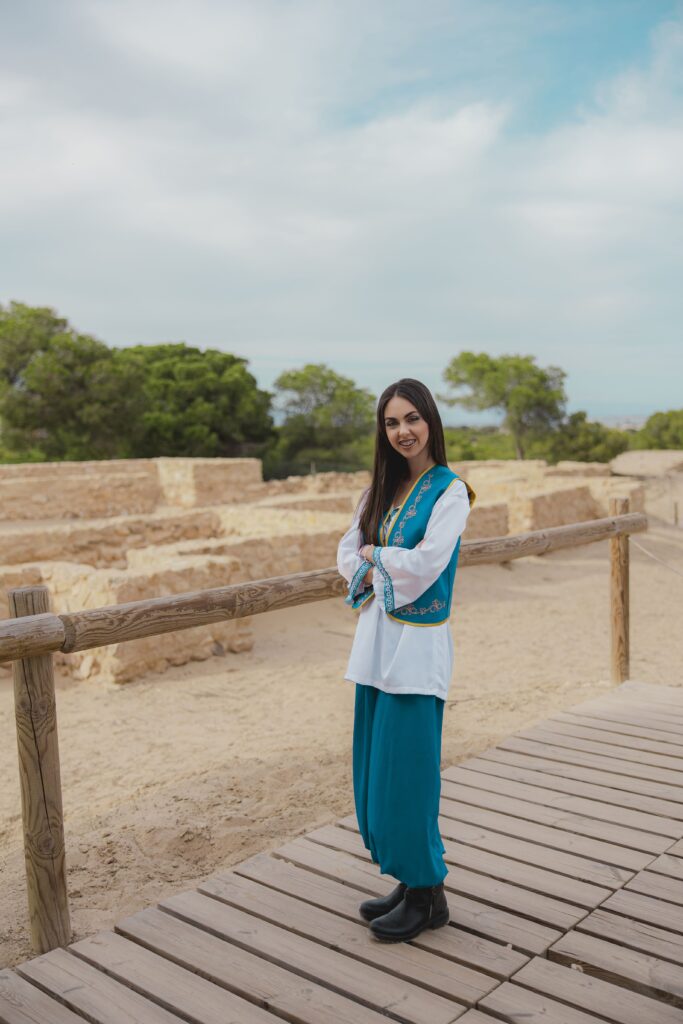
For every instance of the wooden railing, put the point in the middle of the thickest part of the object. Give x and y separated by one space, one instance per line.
31 636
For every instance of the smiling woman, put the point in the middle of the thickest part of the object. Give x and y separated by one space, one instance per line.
407 527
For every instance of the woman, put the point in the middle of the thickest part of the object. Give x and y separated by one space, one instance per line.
399 558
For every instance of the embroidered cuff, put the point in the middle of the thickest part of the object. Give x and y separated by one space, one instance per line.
389 603
358 577
362 599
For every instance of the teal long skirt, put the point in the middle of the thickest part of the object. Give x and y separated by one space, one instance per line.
397 782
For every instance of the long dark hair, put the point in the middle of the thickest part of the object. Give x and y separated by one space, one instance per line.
390 467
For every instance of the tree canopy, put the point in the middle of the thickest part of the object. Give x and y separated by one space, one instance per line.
662 430
197 403
66 395
328 420
532 399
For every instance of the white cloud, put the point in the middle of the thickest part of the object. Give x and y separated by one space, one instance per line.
262 174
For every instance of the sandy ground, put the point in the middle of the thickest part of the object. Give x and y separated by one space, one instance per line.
173 777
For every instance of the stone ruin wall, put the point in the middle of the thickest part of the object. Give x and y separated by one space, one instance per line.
105 533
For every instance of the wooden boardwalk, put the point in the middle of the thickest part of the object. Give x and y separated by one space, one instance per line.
565 852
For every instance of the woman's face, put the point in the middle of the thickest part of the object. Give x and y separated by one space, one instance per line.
406 430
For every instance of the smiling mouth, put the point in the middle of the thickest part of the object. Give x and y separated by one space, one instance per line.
407 444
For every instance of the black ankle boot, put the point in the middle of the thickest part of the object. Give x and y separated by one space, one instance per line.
419 909
370 909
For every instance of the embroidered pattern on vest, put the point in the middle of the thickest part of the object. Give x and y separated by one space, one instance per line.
388 585
435 606
412 509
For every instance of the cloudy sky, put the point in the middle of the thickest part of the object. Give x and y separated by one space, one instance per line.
375 185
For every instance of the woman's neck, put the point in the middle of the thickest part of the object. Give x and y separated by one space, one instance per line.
418 465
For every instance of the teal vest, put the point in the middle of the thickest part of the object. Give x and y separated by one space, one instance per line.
408 528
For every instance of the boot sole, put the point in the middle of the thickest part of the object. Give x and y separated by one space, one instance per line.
437 922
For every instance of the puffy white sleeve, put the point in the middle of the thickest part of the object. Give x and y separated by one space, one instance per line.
403 574
350 563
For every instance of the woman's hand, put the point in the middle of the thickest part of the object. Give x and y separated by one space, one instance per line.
366 551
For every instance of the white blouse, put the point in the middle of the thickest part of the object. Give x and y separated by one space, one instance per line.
395 656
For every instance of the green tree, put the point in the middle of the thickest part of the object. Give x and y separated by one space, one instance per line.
661 430
531 398
25 331
76 400
580 439
328 420
198 403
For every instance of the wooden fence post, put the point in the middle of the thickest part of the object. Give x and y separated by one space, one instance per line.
619 597
41 789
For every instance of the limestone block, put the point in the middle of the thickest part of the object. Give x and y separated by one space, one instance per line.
123 662
63 470
617 487
648 462
318 483
259 557
261 521
343 501
487 521
77 496
102 542
192 483
537 510
572 468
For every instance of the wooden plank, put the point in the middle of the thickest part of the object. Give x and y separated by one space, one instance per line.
668 864
635 716
522 784
479 858
278 968
82 988
200 999
444 977
644 908
521 1006
476 1017
662 887
559 738
671 747
554 750
472 951
532 852
511 802
670 797
677 849
611 961
23 1003
594 995
169 985
483 905
623 729
244 952
648 938
553 836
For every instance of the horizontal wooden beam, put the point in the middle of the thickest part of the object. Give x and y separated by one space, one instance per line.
101 626
503 549
97 627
